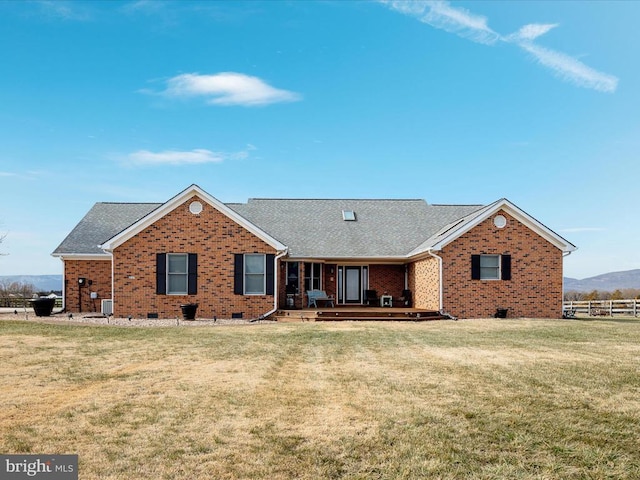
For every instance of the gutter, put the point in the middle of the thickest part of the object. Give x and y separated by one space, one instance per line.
275 282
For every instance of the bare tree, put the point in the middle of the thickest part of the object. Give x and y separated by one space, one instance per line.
572 295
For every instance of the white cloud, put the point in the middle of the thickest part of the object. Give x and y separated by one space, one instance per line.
440 14
176 157
530 32
227 88
8 174
461 22
571 69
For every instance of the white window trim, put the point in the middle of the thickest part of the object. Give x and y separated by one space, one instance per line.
498 268
264 274
185 274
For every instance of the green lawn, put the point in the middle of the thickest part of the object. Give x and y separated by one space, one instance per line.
484 399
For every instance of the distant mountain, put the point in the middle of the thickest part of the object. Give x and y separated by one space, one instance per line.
607 282
42 283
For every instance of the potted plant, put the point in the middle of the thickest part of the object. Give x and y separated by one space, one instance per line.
189 311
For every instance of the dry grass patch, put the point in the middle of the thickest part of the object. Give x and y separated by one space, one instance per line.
478 399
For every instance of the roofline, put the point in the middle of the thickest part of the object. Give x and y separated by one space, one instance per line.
514 211
397 260
82 256
340 199
178 199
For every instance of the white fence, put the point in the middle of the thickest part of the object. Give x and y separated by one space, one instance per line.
626 308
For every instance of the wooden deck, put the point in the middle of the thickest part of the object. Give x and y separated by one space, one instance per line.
363 313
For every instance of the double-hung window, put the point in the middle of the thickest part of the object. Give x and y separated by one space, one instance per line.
312 276
491 267
254 274
176 273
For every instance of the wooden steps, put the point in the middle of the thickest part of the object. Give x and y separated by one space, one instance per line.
355 314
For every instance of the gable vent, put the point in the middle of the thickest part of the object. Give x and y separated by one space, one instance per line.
348 215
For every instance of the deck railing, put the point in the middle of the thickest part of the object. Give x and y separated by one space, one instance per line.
626 308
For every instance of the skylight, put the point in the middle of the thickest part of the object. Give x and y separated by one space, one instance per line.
348 215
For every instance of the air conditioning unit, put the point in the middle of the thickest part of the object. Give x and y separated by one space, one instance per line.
107 307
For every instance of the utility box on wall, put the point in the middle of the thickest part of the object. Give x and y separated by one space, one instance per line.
107 307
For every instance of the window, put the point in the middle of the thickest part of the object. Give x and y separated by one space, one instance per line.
293 274
312 276
348 215
254 274
491 267
176 273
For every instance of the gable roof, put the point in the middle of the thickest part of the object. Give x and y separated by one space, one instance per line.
179 199
102 222
310 228
452 231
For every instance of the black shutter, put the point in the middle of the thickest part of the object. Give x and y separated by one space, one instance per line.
270 273
506 267
192 281
238 274
475 267
161 273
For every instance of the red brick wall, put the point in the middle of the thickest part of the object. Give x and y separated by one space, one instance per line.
98 273
215 238
330 279
387 279
535 288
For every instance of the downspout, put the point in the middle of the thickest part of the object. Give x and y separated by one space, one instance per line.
275 282
64 287
440 290
564 254
113 280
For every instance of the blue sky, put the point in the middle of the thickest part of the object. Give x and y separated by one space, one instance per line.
453 102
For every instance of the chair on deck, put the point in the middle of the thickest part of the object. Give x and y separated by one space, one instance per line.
405 299
315 296
371 298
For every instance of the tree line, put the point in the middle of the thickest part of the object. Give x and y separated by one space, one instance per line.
17 289
619 294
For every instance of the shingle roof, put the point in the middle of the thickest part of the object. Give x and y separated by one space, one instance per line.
383 228
450 228
310 228
102 222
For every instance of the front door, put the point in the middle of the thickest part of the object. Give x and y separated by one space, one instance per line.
352 287
352 281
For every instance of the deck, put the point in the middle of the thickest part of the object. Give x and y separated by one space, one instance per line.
364 313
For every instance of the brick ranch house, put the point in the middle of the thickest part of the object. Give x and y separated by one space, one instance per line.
146 259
